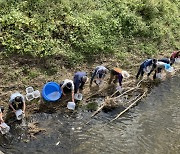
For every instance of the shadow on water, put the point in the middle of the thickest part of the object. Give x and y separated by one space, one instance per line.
150 127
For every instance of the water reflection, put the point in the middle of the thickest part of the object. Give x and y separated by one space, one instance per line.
151 127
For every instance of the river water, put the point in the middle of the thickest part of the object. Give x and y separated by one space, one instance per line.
151 127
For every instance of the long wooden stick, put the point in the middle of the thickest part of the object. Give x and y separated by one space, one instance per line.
137 86
129 107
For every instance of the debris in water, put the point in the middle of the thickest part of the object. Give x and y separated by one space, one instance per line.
72 128
58 143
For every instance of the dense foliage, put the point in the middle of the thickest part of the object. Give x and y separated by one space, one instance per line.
76 28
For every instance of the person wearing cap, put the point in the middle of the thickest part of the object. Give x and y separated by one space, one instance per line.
147 66
16 102
80 78
174 55
117 74
67 86
161 64
99 74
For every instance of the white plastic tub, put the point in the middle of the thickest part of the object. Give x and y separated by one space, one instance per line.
19 114
177 60
4 128
36 94
78 96
29 90
29 96
71 105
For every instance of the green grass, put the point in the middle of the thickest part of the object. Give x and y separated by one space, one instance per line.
75 29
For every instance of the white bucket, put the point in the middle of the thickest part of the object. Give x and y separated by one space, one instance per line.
29 90
71 105
29 96
177 60
36 94
119 88
19 114
4 128
171 69
158 75
78 96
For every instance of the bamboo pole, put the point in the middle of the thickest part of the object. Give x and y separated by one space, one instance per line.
129 107
137 86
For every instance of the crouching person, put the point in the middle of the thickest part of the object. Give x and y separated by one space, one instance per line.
17 102
4 128
147 66
98 75
80 78
67 86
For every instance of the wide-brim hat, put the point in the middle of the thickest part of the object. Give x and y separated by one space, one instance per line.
125 74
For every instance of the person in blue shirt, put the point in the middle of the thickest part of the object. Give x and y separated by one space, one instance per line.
147 66
99 74
80 78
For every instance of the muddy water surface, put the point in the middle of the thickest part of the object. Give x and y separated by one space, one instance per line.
153 126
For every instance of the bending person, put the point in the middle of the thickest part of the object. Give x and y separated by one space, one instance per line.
147 66
80 78
162 64
16 102
98 74
174 55
67 86
117 74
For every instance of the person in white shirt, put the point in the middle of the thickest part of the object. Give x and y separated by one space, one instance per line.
16 102
67 86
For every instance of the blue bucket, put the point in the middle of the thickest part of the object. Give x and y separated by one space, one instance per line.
51 92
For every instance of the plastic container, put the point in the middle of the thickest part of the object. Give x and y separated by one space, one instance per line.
71 105
158 75
36 94
177 60
171 69
119 88
78 96
19 114
125 74
29 96
51 92
4 128
29 90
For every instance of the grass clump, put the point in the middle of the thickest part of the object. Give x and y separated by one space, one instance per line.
76 28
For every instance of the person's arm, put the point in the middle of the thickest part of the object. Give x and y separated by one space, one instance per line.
72 95
1 117
24 106
12 108
62 88
152 69
76 84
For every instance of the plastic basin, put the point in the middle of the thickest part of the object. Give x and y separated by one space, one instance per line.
51 92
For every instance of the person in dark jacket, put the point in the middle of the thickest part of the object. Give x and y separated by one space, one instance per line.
80 78
147 66
99 74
